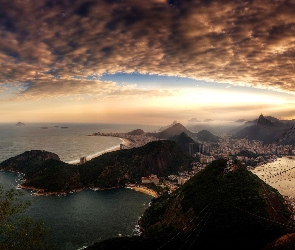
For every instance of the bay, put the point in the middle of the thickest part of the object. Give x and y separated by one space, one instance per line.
78 219
83 218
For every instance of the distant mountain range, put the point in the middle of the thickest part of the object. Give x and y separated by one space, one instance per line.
177 133
269 130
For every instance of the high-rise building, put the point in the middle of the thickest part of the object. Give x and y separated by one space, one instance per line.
82 160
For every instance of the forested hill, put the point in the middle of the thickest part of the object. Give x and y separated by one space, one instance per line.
113 169
27 161
116 168
213 210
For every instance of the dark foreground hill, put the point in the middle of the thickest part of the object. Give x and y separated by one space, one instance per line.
213 210
45 171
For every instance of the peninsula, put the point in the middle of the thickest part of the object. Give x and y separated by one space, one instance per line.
47 174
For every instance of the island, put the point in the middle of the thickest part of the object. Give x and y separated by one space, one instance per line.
20 124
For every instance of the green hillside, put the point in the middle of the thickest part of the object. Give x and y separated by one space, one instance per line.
214 210
116 168
44 170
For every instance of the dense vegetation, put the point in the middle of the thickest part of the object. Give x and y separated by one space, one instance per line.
116 168
216 210
55 176
28 161
113 169
18 232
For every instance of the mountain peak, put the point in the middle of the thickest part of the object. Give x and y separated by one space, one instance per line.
175 129
262 121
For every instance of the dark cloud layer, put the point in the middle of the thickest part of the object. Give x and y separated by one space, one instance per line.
48 45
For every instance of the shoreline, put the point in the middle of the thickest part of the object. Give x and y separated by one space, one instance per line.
125 141
144 190
112 149
41 192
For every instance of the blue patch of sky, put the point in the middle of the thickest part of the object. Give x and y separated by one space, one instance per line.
148 80
10 90
52 72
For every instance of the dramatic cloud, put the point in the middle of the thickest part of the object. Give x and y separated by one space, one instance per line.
44 45
91 89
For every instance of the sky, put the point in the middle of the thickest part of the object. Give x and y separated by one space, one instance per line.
151 62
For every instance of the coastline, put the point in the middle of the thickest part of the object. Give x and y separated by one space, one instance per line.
41 192
144 190
126 142
112 149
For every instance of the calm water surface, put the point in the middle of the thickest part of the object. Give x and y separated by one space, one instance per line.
81 219
78 219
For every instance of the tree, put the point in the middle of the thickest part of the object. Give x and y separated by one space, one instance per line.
16 231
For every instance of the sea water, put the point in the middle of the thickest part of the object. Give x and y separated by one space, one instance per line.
77 219
69 143
279 174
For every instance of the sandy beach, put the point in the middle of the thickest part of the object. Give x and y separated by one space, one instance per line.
126 142
145 190
279 174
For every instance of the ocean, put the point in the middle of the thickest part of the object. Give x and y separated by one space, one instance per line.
78 219
279 174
